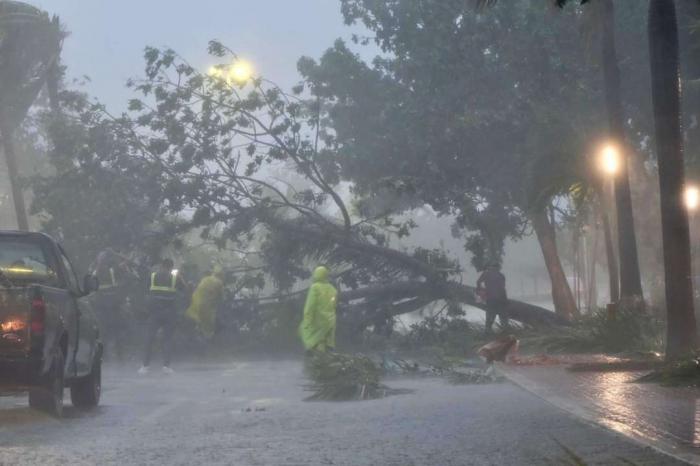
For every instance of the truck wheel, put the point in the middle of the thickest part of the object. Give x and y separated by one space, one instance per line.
49 396
85 392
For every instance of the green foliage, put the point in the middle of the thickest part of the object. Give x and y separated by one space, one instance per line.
279 323
343 377
475 125
451 337
682 373
629 330
97 194
30 44
474 376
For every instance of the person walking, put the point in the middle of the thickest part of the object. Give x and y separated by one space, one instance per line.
165 286
206 299
492 285
317 329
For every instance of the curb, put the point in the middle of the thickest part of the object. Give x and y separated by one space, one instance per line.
661 446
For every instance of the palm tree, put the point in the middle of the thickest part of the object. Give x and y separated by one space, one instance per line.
30 45
682 337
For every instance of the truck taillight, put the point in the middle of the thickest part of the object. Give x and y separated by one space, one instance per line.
38 316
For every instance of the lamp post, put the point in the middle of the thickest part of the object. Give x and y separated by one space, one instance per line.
613 162
691 199
608 163
609 160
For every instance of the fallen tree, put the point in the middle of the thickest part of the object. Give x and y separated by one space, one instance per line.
214 151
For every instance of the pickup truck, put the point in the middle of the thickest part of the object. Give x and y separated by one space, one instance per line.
49 336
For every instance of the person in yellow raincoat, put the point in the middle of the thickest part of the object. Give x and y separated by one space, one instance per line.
205 300
317 330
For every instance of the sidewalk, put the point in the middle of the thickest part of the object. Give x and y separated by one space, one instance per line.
664 418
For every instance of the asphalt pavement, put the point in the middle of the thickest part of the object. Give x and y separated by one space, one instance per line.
667 418
252 413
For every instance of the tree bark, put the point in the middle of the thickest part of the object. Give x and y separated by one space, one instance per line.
613 274
630 276
564 304
411 295
682 337
53 79
13 174
592 261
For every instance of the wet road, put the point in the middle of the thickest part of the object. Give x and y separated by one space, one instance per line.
251 413
668 417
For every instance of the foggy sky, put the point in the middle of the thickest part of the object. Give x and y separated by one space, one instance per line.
107 37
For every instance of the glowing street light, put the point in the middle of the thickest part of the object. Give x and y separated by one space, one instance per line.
691 196
241 71
609 160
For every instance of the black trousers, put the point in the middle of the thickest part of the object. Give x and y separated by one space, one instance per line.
496 308
162 316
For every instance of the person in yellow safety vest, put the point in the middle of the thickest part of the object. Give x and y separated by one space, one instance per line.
317 329
206 299
165 286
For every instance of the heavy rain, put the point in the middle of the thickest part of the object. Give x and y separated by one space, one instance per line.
349 232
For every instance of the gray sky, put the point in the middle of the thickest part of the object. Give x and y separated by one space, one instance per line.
107 37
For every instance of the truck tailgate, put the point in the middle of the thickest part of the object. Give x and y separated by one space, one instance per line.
14 321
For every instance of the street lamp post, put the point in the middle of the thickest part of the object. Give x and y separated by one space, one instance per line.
691 199
608 162
613 162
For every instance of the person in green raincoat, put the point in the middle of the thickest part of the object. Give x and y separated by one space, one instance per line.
317 329
205 300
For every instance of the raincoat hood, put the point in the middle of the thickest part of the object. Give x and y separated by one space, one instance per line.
320 275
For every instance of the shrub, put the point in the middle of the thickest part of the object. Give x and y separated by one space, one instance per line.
451 336
630 329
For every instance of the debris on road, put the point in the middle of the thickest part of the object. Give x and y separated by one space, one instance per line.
474 376
343 377
499 349
683 373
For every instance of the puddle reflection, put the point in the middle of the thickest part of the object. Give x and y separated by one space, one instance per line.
649 411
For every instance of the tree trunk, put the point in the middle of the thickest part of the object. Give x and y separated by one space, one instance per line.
411 296
53 79
630 277
13 174
613 274
592 279
682 337
564 304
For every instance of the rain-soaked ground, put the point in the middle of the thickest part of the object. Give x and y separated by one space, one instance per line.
667 417
252 413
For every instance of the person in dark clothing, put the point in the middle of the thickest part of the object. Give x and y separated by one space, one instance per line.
164 286
493 282
110 300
